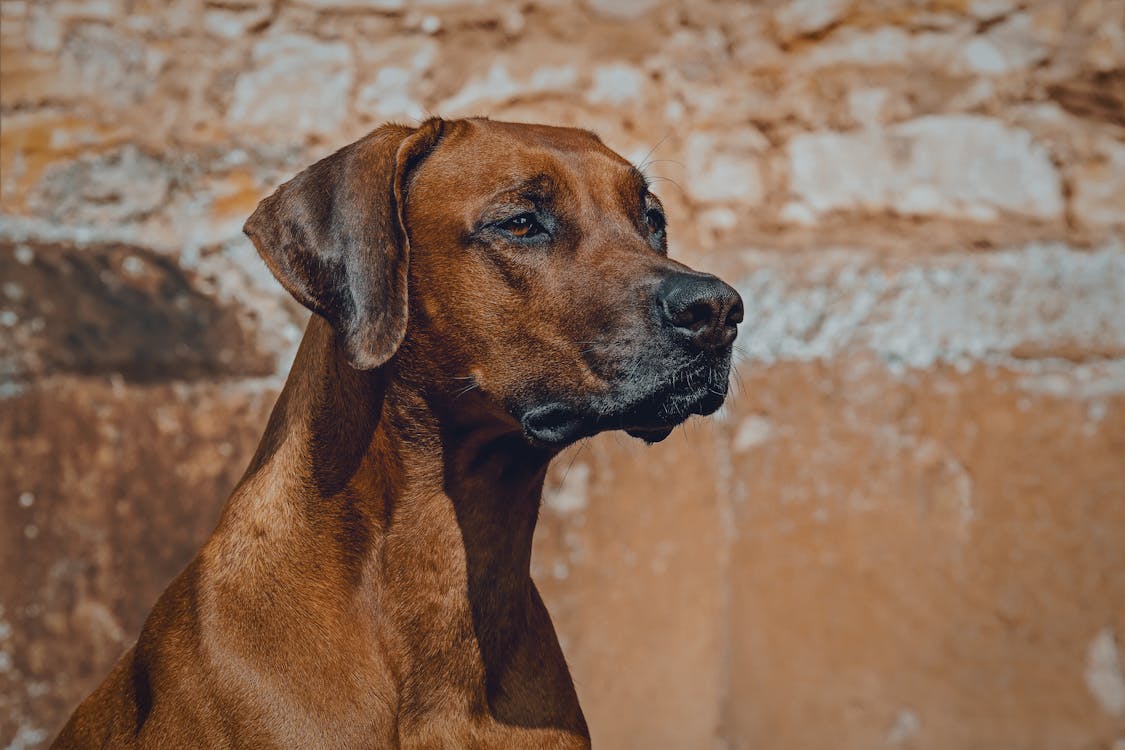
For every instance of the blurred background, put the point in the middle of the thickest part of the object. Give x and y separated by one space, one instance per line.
905 530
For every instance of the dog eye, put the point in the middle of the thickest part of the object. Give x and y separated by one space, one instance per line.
656 221
522 226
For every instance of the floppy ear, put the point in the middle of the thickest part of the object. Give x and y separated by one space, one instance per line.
334 237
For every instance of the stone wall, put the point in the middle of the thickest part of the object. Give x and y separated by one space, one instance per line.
906 530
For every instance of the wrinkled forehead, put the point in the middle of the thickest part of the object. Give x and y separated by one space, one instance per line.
479 159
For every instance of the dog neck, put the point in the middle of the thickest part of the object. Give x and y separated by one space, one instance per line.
424 513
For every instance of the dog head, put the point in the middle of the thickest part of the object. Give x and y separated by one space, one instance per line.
526 265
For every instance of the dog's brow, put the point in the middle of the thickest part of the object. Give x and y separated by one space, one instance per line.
534 188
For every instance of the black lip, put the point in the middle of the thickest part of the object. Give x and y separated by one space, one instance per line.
649 435
557 424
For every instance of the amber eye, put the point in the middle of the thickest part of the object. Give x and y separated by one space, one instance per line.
656 220
524 225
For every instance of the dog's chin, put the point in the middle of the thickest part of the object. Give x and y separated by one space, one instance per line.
556 425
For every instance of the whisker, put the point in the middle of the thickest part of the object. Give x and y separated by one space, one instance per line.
659 178
645 160
465 390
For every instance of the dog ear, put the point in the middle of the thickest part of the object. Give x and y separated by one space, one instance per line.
335 239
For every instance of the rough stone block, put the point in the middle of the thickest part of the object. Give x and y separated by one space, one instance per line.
1009 47
624 9
298 86
108 491
725 167
357 6
629 558
1099 187
1041 301
498 85
797 18
109 188
616 85
932 562
962 166
110 68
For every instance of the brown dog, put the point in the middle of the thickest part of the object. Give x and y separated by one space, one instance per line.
486 294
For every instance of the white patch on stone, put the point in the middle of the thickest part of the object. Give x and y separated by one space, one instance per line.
28 737
44 32
905 727
803 17
867 106
718 219
498 86
572 495
388 95
553 77
448 3
233 23
1104 679
724 166
948 165
798 213
1089 380
91 10
988 10
981 56
939 309
12 390
103 189
887 45
623 8
1009 47
297 85
754 430
27 499
354 5
513 21
132 265
99 61
616 84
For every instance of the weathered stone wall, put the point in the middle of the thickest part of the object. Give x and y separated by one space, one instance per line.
907 529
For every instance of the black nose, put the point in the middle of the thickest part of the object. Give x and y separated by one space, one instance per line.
701 307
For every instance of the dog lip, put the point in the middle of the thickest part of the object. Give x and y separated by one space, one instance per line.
649 434
554 424
653 414
651 417
557 424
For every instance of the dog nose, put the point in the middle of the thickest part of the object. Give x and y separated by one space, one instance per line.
701 307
